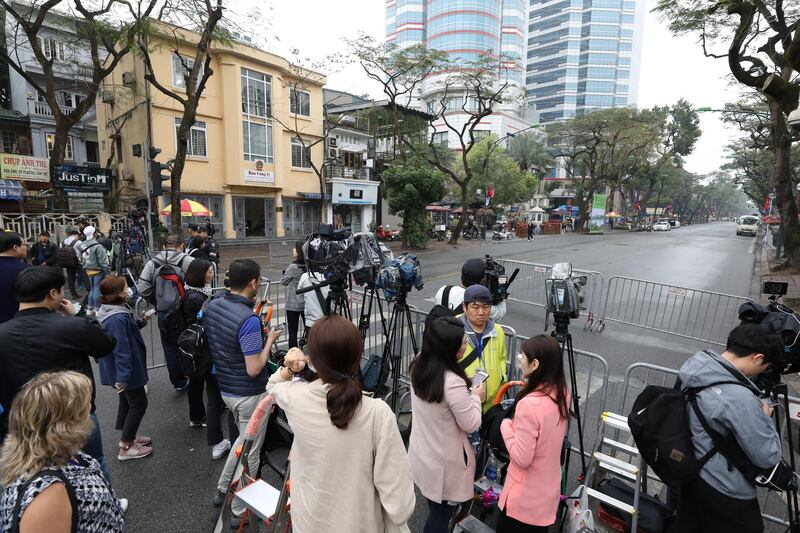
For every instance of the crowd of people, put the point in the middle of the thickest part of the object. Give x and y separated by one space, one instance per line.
53 470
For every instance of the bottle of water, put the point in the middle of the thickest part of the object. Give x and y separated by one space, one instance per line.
491 470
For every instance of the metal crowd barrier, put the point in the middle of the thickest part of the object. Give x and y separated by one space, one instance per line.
690 313
640 375
529 287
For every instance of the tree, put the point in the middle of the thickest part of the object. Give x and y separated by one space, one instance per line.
511 184
100 33
529 150
205 15
408 188
761 45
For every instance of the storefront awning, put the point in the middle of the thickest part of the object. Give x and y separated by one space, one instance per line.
314 196
11 190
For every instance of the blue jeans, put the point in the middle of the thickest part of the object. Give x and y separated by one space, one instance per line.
439 516
94 290
94 447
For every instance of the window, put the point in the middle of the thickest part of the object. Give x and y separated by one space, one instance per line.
440 137
52 49
256 93
352 159
299 102
196 143
181 68
257 141
300 155
10 140
50 139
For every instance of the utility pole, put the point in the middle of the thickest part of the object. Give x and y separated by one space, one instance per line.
146 159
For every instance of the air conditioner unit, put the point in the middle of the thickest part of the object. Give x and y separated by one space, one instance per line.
332 141
108 97
128 79
333 153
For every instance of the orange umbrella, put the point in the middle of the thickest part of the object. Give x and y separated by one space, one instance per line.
189 208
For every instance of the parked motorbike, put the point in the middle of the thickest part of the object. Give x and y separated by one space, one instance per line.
470 233
441 233
501 235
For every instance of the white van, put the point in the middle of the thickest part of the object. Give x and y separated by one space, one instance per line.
747 225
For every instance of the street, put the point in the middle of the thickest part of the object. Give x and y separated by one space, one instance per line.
171 490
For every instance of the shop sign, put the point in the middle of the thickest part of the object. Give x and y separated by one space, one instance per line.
24 167
85 178
354 192
259 176
85 202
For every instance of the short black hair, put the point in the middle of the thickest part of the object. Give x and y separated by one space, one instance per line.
748 338
241 272
44 234
34 284
8 240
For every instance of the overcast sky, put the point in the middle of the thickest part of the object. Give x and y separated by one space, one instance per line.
672 67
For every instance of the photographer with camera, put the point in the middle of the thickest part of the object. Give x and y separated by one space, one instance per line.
473 272
723 497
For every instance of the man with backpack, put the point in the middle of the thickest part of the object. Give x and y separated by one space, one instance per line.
162 284
67 258
94 259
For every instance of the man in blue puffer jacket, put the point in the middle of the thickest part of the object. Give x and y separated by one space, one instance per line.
240 355
126 369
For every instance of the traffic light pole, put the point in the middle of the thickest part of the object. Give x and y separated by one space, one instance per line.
146 159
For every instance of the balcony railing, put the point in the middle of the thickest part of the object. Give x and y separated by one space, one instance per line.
350 173
42 109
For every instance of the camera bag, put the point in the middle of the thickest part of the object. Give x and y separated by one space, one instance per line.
654 514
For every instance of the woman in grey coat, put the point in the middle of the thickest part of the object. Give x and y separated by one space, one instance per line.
294 303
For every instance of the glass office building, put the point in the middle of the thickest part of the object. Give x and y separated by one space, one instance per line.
467 30
583 54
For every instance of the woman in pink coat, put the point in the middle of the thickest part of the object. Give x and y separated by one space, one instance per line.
534 438
445 412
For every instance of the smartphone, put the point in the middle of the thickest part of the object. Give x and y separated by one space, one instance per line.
281 326
479 377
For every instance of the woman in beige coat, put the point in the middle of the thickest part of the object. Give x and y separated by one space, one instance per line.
445 412
349 466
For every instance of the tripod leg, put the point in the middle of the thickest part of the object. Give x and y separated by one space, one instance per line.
576 403
791 497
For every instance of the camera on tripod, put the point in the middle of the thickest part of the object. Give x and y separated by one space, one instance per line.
398 276
335 254
563 292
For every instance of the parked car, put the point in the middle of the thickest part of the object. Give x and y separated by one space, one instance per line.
661 225
747 225
675 223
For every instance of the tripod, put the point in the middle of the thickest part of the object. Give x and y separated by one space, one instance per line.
564 338
775 390
395 340
370 292
336 302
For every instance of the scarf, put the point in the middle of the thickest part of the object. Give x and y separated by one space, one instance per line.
205 289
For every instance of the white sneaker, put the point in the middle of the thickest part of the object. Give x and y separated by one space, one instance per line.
123 503
220 449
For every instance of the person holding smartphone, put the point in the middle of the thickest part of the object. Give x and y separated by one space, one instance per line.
446 408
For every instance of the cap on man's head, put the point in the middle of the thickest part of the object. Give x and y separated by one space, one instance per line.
194 227
88 231
473 271
477 293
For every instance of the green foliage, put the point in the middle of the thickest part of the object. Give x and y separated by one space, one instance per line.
493 165
529 150
408 188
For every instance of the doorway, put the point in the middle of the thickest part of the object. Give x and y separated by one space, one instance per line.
254 217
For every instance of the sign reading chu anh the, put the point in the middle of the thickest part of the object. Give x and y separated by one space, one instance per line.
84 178
24 167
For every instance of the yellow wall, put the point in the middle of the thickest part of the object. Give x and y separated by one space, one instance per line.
222 172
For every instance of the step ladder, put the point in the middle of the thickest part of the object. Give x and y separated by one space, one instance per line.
603 460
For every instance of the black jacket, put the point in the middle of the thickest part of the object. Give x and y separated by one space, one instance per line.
192 303
48 251
38 340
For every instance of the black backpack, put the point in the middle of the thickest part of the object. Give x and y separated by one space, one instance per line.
660 427
490 426
66 256
194 358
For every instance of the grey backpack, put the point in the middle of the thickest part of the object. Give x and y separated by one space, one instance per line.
169 292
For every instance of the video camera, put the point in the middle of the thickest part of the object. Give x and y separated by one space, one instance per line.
335 254
563 292
400 274
781 320
496 280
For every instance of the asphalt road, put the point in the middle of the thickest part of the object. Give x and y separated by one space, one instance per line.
171 490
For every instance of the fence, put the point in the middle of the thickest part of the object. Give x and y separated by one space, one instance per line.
529 286
30 226
690 313
280 252
639 375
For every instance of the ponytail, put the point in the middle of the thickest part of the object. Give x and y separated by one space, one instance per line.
343 400
335 346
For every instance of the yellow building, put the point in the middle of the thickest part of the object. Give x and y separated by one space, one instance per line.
243 164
